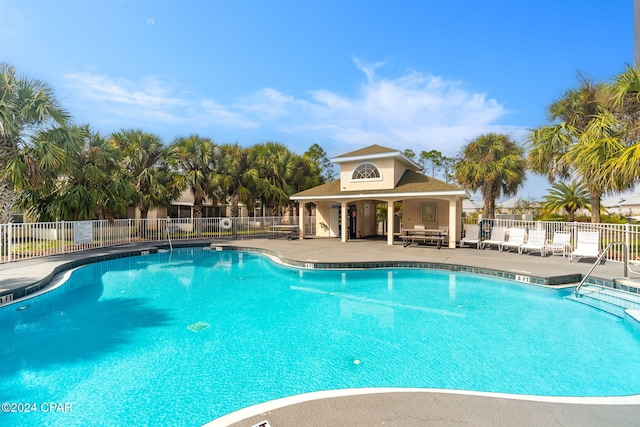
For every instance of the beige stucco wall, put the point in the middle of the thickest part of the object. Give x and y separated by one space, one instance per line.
390 169
323 212
399 169
411 213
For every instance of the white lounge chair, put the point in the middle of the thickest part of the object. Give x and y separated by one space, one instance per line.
588 245
516 239
561 243
471 235
498 236
537 241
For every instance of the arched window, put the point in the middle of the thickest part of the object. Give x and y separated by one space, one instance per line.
366 171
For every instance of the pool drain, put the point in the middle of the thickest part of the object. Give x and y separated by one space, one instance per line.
198 326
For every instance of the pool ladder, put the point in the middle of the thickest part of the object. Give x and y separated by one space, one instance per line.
625 261
169 234
612 300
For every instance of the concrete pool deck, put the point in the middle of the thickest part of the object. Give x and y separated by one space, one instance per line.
389 407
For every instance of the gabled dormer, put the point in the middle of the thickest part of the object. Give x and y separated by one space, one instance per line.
373 168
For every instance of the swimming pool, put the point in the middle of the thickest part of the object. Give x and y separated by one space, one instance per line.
185 337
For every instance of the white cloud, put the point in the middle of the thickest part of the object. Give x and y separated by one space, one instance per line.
150 102
368 69
416 110
149 93
212 112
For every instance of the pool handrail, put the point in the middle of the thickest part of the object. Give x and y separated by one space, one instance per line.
625 255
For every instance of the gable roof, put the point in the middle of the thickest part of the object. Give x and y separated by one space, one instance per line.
367 151
376 152
412 184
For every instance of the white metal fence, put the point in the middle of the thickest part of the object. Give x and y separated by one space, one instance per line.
628 234
19 241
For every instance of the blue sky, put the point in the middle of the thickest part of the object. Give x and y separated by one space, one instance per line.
344 74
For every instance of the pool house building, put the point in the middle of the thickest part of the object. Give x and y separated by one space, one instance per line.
374 176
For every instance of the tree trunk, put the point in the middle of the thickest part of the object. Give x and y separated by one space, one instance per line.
7 199
7 195
595 206
489 206
197 215
144 212
234 206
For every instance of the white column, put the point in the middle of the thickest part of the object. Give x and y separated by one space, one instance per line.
454 222
301 219
390 223
345 224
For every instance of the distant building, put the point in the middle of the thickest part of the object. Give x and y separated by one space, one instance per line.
624 204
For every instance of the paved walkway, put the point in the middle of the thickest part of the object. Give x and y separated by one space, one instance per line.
388 407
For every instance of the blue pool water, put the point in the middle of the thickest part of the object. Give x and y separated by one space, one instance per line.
114 342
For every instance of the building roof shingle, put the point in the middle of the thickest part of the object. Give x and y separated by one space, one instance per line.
367 151
411 182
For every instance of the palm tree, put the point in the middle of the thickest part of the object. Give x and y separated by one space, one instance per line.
303 173
94 186
271 160
234 179
566 197
38 169
625 167
195 166
584 137
494 164
147 162
26 105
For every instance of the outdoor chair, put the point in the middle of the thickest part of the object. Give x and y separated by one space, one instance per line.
498 236
588 245
537 241
471 235
561 243
516 239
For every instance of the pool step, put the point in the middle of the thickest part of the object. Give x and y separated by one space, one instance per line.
606 299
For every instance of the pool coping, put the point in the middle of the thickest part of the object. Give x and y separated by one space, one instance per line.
550 281
265 409
31 289
17 293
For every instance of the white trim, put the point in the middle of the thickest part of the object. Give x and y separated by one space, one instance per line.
363 158
456 193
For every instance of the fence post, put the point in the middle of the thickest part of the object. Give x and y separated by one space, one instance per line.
63 226
627 243
9 241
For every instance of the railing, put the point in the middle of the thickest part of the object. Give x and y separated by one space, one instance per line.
19 241
599 260
627 233
31 240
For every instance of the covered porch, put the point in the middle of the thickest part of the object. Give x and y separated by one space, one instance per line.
350 217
